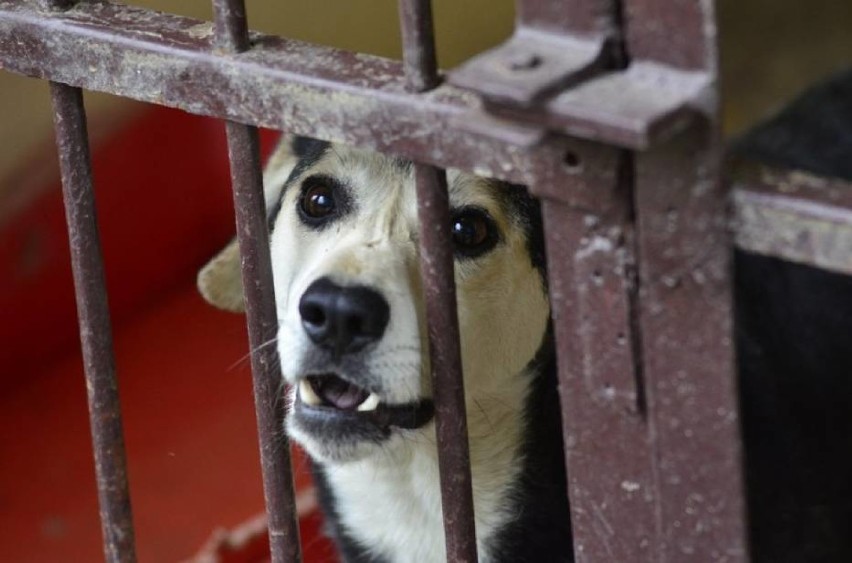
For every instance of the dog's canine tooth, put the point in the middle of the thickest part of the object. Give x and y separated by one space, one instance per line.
370 403
308 395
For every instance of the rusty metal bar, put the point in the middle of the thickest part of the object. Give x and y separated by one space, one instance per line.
230 26
687 337
685 303
418 45
95 330
591 265
261 317
281 84
437 267
261 313
794 215
580 17
656 240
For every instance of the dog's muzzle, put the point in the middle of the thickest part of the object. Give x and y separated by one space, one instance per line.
342 322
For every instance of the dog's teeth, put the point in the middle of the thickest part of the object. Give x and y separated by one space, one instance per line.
308 395
370 403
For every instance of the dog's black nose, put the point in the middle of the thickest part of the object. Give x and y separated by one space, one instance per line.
343 319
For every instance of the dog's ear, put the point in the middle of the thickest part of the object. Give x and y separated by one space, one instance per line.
220 281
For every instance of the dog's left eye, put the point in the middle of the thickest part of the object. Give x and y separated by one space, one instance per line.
473 231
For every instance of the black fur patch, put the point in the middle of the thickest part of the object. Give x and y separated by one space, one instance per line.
309 151
527 210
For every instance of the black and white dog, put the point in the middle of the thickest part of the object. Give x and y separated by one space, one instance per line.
351 342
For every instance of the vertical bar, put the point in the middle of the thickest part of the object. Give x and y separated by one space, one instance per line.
261 317
95 330
580 17
418 45
681 34
438 271
262 320
231 26
685 303
685 314
591 257
437 267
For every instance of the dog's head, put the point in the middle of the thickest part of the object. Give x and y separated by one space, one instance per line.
352 336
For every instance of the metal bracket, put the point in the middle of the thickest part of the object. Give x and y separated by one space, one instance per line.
636 108
531 66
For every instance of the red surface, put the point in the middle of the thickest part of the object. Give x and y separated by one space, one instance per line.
164 207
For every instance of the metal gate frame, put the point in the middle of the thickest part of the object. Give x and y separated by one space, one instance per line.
606 109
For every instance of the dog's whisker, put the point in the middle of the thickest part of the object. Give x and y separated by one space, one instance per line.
484 414
254 350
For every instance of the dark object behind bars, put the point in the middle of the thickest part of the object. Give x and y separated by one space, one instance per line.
794 331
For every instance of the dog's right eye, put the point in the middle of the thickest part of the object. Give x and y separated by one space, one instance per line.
318 201
474 232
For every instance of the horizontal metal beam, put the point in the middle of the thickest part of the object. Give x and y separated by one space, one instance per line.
282 84
795 216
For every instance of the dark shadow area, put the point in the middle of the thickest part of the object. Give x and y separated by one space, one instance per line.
794 332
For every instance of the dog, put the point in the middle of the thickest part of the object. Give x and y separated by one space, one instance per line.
352 343
344 238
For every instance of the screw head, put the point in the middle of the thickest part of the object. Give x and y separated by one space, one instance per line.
523 61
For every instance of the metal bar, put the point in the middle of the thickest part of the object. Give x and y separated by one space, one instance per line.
95 330
685 302
280 84
230 26
673 485
437 267
261 317
679 34
591 262
261 313
685 318
581 17
418 45
794 215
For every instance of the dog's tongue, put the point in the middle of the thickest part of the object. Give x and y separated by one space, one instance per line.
340 394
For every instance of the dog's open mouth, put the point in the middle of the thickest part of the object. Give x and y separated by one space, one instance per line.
331 397
332 391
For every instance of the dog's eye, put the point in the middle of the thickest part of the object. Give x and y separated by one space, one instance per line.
473 232
318 201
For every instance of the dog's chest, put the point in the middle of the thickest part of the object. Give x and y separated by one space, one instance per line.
394 510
